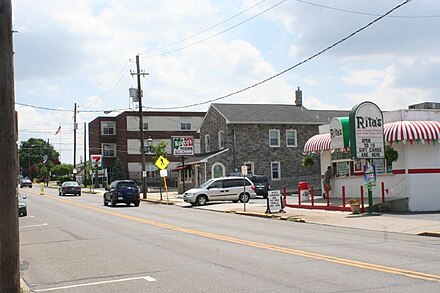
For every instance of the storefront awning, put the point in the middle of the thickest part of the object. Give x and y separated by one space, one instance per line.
412 130
317 143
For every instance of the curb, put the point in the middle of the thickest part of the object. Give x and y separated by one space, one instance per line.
430 234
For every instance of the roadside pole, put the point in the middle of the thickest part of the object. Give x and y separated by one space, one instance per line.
244 173
9 235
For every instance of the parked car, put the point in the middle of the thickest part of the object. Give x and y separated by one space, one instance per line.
221 189
25 182
69 187
22 206
122 191
262 184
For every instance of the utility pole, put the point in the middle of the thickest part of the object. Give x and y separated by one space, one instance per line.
85 151
74 142
138 73
9 236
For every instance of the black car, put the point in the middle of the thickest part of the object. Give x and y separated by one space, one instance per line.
25 182
262 184
69 187
122 191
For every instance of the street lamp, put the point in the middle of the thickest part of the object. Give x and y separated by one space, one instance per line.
149 143
74 173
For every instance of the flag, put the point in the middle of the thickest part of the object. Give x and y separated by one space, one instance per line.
58 131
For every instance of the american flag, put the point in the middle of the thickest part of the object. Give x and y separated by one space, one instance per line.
58 130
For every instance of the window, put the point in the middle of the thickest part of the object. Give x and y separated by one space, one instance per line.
185 126
108 127
109 150
274 138
221 140
291 138
250 167
207 147
275 170
218 170
145 126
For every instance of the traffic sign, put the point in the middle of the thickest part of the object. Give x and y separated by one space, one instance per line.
161 163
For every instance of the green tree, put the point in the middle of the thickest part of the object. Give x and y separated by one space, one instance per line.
61 170
32 152
118 172
159 150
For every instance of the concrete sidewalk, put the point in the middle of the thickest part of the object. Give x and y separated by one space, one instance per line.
427 224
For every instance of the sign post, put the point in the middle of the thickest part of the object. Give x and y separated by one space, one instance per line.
244 171
162 164
183 146
367 139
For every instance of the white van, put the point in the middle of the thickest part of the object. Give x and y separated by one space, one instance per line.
221 189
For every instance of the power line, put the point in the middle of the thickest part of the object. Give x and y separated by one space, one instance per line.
285 70
205 30
219 33
366 13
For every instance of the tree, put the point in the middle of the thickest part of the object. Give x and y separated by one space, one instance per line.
32 152
62 170
159 150
118 172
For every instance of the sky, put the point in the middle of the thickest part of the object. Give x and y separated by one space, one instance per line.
197 51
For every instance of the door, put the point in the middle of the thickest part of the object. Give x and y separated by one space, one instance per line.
216 191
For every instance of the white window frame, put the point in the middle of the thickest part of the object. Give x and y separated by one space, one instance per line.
207 144
295 135
279 170
106 125
215 165
251 165
105 149
278 138
221 140
145 125
185 125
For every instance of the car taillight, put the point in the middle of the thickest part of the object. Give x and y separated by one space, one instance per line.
253 187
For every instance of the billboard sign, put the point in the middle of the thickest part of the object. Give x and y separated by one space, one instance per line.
366 132
183 146
339 133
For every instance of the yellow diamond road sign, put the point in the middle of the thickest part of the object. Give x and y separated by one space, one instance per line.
161 163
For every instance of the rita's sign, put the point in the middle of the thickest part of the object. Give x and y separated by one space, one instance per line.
366 131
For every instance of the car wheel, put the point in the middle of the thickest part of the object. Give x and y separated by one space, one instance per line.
105 201
201 200
79 194
112 202
128 204
244 197
21 186
136 204
30 186
25 213
265 196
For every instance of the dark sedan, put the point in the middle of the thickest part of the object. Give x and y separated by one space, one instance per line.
69 187
26 182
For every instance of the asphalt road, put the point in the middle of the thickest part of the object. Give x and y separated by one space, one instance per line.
75 244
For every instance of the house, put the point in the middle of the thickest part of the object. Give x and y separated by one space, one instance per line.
267 138
119 137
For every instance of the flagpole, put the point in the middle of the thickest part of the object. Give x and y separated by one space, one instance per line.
60 143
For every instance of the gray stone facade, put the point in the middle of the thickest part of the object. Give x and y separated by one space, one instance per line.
251 144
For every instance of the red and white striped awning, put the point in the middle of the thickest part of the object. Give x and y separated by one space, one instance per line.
317 143
412 130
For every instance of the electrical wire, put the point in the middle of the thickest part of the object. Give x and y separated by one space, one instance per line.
205 30
219 33
366 13
288 69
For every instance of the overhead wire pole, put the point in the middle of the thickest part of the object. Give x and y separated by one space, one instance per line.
74 142
138 73
9 236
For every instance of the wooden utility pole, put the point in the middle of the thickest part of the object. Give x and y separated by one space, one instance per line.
9 236
85 152
138 73
74 142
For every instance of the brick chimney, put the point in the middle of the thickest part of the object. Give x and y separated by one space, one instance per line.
298 97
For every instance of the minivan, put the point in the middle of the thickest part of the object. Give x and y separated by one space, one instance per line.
221 189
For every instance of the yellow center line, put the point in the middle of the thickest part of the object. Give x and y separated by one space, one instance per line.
317 256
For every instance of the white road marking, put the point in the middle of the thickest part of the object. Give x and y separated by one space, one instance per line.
147 278
37 225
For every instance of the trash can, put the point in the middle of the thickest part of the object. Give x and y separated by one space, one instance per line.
303 190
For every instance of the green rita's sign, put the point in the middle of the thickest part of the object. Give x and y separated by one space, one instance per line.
366 132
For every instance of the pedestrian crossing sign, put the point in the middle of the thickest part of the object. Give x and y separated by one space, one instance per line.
161 163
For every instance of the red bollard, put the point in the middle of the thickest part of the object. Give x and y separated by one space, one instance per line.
327 196
343 196
383 192
299 194
312 194
362 199
285 194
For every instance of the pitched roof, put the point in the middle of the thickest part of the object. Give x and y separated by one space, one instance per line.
275 114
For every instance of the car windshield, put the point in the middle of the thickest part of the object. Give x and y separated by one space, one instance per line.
124 185
207 183
70 184
260 179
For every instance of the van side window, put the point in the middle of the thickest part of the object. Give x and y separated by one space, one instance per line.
216 184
